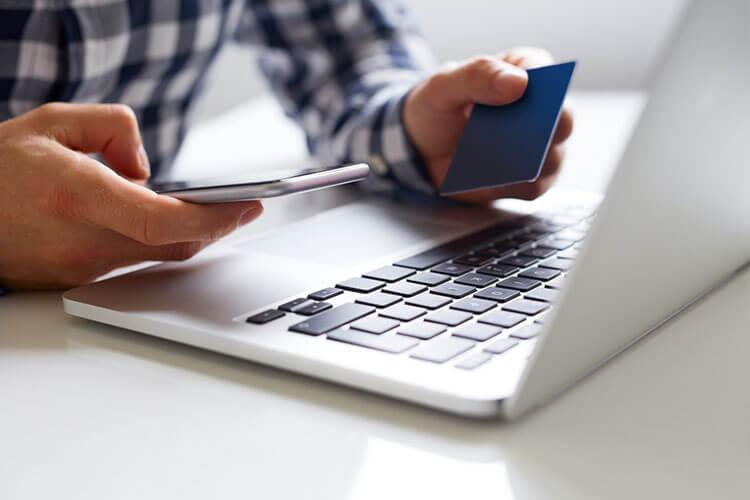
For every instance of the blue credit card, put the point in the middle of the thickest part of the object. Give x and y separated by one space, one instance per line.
504 145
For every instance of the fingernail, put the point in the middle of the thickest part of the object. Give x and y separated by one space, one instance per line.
508 75
251 214
143 161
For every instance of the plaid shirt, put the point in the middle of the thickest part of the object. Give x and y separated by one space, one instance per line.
341 68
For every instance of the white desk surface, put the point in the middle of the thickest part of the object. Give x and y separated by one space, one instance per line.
91 412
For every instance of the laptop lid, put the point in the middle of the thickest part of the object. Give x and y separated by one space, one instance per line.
675 221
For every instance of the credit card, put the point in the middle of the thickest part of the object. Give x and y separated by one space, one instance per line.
504 145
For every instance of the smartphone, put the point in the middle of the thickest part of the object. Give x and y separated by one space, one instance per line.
260 184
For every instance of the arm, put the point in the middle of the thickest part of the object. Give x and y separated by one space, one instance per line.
342 70
358 77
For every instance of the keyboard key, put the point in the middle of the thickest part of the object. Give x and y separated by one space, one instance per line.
504 245
453 290
313 308
361 285
451 269
570 254
540 273
442 349
498 294
503 319
527 332
529 307
427 259
325 294
265 316
295 304
501 345
332 319
495 251
477 331
388 343
449 250
428 301
473 361
522 284
405 289
541 318
473 260
379 299
428 278
543 294
559 264
390 274
448 317
422 330
499 270
557 243
474 306
556 283
477 280
518 261
403 312
523 239
538 252
374 324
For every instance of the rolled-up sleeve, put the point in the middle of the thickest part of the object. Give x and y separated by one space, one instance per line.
342 70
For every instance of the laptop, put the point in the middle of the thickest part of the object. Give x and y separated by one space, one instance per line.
481 312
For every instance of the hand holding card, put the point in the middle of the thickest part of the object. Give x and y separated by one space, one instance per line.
504 145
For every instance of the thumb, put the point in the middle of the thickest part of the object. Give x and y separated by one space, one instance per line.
485 80
109 129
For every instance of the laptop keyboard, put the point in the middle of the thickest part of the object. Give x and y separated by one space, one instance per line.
479 295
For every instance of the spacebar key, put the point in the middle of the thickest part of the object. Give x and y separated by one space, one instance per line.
330 320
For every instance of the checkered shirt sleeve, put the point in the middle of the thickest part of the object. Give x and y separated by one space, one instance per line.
341 68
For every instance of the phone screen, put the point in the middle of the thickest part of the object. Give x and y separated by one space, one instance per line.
251 177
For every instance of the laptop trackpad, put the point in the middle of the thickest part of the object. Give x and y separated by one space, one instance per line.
222 282
351 236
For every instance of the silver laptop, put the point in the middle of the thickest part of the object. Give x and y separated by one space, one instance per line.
481 312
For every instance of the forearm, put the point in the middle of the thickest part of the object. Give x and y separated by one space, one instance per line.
342 71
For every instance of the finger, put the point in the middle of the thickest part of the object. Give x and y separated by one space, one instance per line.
98 195
553 162
486 80
109 129
564 126
528 57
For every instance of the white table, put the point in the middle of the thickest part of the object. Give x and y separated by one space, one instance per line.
92 412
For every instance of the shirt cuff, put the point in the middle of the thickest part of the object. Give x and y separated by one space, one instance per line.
393 157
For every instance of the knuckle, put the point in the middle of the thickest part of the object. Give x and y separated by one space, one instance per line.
147 230
50 109
481 65
123 115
